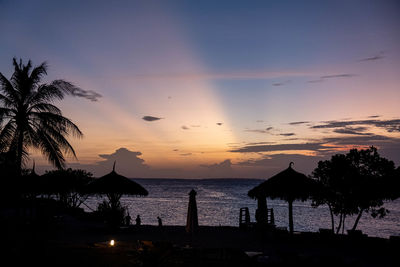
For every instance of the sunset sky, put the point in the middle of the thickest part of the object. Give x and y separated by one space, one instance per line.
202 89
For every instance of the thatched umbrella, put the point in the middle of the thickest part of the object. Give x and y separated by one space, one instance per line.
288 185
192 222
32 183
35 184
114 186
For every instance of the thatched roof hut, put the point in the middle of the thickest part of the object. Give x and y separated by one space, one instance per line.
288 185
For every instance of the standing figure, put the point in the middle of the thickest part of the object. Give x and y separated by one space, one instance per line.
127 220
159 222
138 220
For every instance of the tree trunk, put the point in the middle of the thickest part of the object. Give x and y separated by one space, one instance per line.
19 151
344 219
332 218
340 223
357 220
261 212
291 216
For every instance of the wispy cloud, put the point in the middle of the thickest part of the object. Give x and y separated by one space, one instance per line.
225 164
263 131
344 75
287 134
390 146
298 122
352 130
315 81
151 118
260 143
269 130
279 147
281 83
374 58
333 76
367 140
278 84
388 125
185 154
76 91
88 94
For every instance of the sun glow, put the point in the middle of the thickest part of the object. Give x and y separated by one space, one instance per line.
193 128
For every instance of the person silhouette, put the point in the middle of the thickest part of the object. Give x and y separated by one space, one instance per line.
127 220
138 220
159 221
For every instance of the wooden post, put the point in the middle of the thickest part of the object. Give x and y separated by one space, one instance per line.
261 212
291 216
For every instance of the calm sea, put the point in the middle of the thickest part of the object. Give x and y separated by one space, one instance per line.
219 202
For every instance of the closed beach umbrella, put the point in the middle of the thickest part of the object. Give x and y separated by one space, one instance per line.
288 185
192 222
114 186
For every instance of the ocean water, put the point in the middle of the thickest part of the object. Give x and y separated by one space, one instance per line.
219 202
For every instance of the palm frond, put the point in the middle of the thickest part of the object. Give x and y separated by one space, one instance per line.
46 93
59 122
7 102
17 67
5 113
38 73
7 134
45 107
50 149
20 77
52 132
61 141
8 89
65 87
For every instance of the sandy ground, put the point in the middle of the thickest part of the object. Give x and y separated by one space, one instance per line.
68 241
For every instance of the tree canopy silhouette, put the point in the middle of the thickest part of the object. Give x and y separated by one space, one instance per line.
68 185
28 117
355 183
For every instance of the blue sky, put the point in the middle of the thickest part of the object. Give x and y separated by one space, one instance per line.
220 76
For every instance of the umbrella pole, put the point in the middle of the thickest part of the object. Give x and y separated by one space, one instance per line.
291 216
262 211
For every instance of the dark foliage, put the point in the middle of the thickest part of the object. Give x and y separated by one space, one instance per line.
68 185
113 215
357 182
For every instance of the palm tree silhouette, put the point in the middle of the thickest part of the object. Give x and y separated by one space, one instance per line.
29 119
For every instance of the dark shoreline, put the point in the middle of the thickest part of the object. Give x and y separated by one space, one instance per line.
72 241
